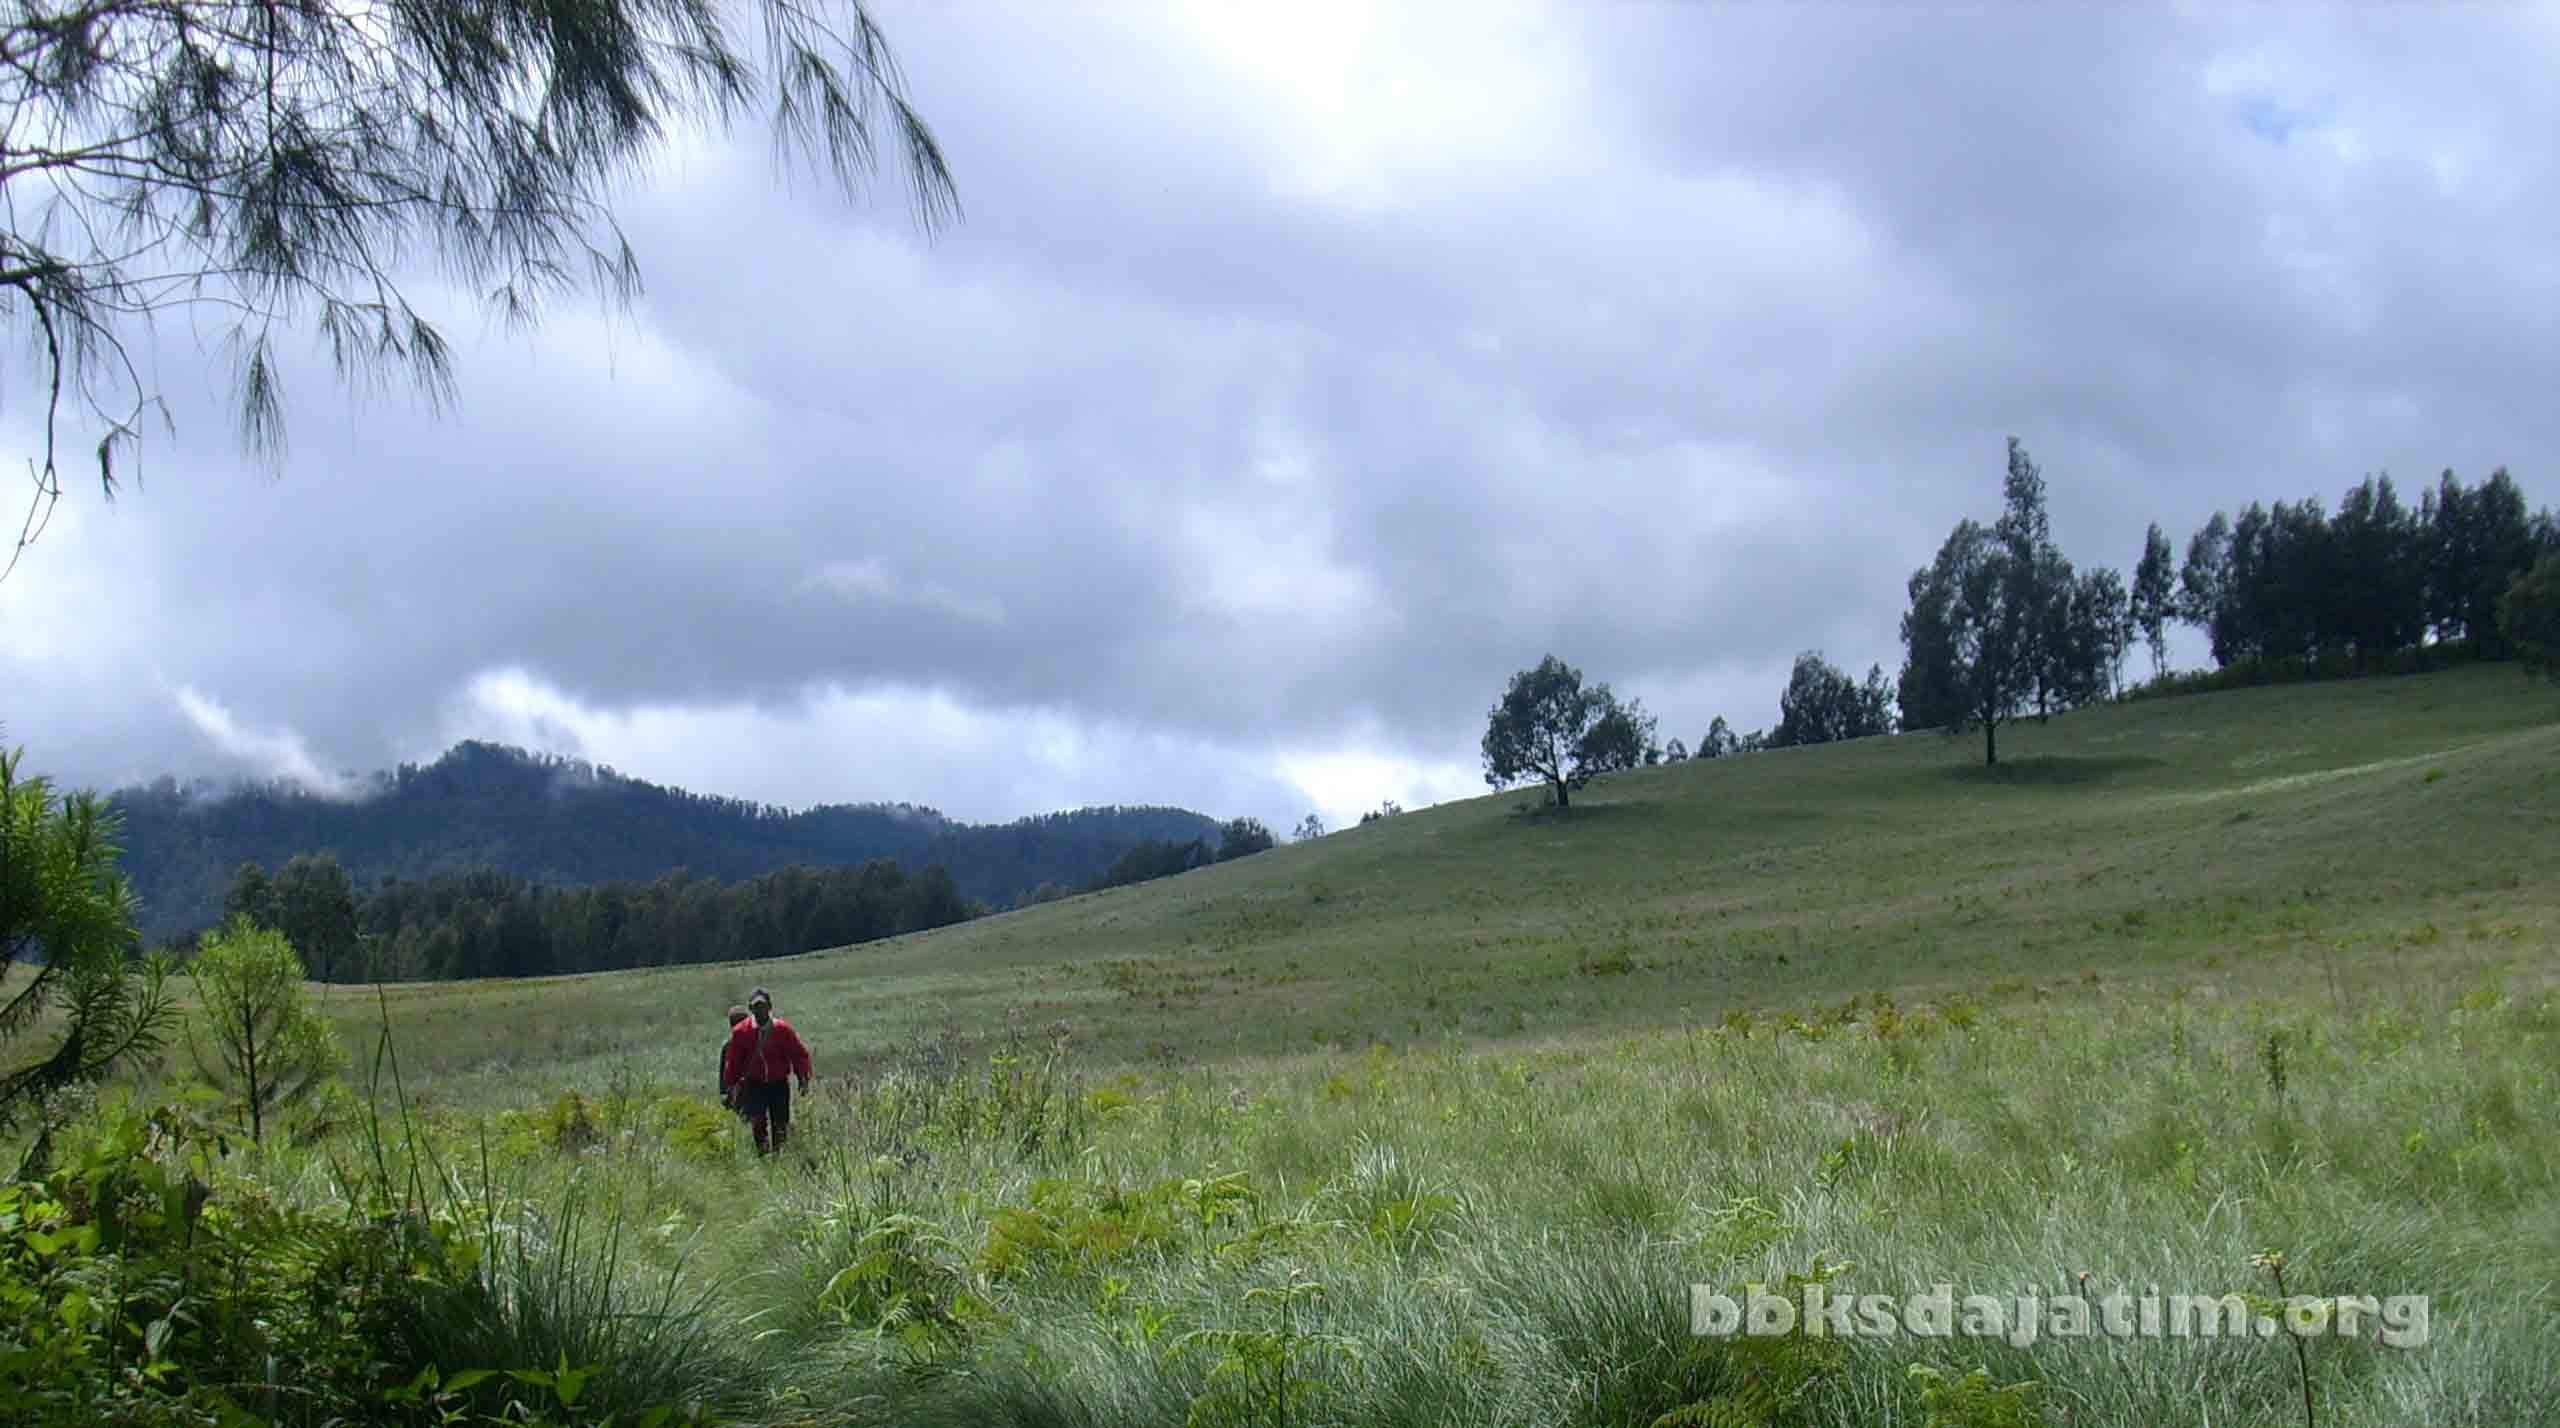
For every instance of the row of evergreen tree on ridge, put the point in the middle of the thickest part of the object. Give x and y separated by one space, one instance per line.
2001 624
2291 582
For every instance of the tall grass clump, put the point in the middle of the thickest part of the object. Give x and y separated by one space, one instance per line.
553 1291
1445 1264
534 1303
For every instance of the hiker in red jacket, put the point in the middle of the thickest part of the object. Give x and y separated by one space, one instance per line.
764 1057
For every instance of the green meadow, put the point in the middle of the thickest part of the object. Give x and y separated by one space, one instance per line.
1438 1120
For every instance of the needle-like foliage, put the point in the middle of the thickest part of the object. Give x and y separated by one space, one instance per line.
256 1038
265 165
69 986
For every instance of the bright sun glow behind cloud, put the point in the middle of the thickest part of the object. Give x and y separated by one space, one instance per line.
1363 98
1344 785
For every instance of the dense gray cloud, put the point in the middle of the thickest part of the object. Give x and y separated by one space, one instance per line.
1298 375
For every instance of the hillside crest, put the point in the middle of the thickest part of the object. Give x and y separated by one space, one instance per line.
565 821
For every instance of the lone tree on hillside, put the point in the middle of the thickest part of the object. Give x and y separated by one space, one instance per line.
1999 624
2154 601
1965 662
1720 742
261 165
1549 727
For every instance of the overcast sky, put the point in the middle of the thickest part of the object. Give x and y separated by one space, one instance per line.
1300 372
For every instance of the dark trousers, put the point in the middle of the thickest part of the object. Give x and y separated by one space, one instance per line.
767 1107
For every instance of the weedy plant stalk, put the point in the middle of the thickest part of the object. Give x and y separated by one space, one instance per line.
2272 1261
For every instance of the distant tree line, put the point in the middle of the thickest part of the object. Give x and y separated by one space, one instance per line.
1722 743
566 823
2000 626
1820 705
1151 860
1162 858
1553 729
488 923
2293 583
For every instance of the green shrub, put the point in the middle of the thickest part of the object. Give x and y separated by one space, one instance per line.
1974 1401
145 1280
152 1277
695 1129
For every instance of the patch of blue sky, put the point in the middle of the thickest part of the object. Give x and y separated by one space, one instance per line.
2270 120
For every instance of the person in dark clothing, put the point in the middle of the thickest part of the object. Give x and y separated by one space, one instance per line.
764 1057
721 1072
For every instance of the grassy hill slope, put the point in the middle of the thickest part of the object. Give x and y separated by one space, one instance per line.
1441 1121
2320 836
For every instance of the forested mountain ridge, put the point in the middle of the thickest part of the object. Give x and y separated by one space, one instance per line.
565 822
